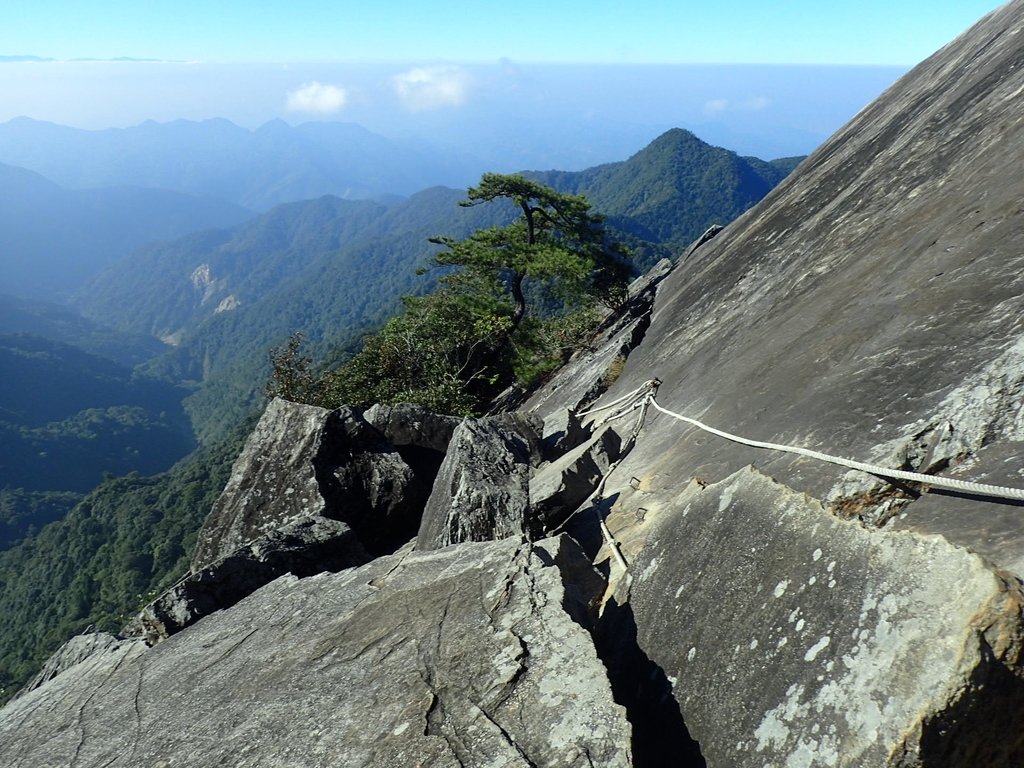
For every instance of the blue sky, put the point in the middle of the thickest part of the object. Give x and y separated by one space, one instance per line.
554 83
587 31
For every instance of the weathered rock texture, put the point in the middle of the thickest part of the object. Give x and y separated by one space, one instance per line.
482 490
559 488
406 425
876 294
272 483
304 547
463 656
80 650
562 431
828 644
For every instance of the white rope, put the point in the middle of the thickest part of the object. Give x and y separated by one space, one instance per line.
646 385
964 486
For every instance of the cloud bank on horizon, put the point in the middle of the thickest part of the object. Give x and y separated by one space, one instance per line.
422 88
583 114
317 99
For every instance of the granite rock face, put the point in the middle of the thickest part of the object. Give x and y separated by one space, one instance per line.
562 431
272 482
821 643
457 657
876 295
92 648
559 488
872 306
482 490
406 425
367 483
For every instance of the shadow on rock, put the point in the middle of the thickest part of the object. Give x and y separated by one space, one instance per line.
660 737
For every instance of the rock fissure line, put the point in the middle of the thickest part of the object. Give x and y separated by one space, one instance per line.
230 650
505 735
137 709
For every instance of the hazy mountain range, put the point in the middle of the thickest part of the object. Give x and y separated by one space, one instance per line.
334 268
219 297
257 169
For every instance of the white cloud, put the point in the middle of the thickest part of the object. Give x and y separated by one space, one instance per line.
432 87
754 104
716 106
317 98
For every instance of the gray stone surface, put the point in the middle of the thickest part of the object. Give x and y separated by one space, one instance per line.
459 657
482 489
412 425
304 547
367 483
94 648
563 430
796 639
272 483
559 488
302 461
875 294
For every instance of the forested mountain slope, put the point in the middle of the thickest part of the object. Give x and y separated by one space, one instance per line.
67 417
675 188
59 322
334 268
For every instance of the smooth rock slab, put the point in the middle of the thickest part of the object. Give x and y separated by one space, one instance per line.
93 647
456 657
797 639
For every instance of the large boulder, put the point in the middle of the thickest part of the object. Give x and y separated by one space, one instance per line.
302 461
367 483
482 490
272 482
407 425
471 655
557 489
